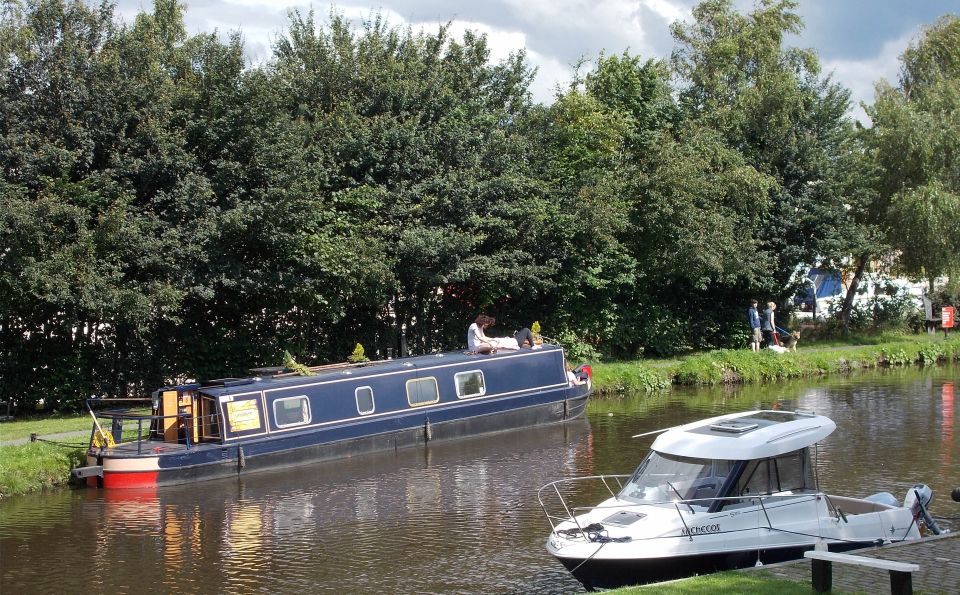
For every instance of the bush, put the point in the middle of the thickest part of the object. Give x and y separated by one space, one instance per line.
632 376
577 349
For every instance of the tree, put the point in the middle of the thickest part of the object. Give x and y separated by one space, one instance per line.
770 103
914 144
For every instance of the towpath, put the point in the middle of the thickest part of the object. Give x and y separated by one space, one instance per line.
938 557
58 437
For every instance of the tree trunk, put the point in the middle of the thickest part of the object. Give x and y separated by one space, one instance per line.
852 291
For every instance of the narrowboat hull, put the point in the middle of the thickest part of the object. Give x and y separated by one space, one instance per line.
204 462
547 399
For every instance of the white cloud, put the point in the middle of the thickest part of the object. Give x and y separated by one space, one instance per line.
860 75
554 33
670 11
550 74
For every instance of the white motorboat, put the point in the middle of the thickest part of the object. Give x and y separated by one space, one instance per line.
726 492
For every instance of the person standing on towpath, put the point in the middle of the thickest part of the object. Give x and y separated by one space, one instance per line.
754 319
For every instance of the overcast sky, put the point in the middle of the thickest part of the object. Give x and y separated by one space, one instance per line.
859 41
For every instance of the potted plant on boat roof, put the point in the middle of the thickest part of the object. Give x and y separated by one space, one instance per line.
535 329
293 366
358 355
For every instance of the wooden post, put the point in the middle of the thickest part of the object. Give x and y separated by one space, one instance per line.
901 583
822 576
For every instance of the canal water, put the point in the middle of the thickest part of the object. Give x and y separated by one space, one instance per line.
453 517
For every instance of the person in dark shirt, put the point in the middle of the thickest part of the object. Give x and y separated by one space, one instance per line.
754 318
524 338
768 325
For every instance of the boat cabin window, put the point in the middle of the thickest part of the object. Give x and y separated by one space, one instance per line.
663 478
470 384
364 396
291 411
785 475
790 472
422 391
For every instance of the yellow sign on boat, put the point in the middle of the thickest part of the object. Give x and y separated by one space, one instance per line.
243 415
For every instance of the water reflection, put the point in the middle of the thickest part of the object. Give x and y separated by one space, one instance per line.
946 427
452 518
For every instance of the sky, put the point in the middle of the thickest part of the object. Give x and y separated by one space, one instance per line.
858 41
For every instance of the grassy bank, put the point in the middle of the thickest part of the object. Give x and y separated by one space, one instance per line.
36 466
745 366
749 583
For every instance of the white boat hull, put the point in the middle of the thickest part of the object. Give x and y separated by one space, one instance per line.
670 541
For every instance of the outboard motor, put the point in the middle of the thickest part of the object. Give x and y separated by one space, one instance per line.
918 498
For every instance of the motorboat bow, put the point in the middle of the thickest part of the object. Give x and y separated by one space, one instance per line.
717 494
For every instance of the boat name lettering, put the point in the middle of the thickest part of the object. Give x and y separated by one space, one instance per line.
700 530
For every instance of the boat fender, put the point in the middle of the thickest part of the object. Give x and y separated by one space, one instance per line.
241 459
955 494
427 431
917 499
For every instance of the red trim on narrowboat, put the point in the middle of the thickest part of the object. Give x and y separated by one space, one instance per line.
130 479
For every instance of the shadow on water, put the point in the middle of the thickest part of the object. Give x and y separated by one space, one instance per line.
456 517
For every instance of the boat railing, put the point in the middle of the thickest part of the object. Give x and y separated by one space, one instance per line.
554 493
148 427
553 489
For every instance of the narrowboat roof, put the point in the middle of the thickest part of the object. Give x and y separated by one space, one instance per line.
228 386
745 436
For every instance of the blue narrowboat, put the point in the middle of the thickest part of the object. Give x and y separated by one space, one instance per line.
221 428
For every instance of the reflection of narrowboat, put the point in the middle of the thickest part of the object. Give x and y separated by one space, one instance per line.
221 428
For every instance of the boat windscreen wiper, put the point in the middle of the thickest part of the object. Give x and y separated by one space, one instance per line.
675 491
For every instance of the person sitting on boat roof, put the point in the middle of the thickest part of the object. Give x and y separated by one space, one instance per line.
479 342
524 338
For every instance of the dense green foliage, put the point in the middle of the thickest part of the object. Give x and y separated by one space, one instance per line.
916 143
168 212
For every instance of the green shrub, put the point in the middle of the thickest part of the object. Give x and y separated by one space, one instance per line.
929 353
698 369
894 357
632 376
577 349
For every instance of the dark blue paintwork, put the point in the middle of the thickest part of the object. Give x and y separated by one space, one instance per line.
523 388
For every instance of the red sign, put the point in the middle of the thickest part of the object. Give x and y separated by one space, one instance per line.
947 317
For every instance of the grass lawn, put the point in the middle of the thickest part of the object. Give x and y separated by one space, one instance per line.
723 582
22 428
54 424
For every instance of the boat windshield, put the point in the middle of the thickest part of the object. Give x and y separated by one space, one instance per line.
667 478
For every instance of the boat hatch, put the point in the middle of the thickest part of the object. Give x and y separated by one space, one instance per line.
734 426
624 518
